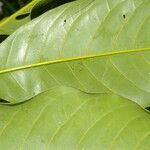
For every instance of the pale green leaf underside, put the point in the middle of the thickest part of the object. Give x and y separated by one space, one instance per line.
77 29
67 119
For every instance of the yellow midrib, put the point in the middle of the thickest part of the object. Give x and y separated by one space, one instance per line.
72 59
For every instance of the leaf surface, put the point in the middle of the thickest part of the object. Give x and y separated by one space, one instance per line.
68 119
51 51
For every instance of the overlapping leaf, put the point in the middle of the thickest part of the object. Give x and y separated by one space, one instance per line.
26 14
21 17
117 30
10 24
67 119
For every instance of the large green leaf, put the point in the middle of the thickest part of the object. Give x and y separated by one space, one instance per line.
99 46
67 119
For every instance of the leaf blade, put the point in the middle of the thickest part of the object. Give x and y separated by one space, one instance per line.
88 121
70 19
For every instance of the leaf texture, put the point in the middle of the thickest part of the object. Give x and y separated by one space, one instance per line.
117 30
67 119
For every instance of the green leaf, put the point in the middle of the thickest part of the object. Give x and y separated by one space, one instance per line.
65 118
96 46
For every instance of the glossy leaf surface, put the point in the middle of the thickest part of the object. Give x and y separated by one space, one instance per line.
117 30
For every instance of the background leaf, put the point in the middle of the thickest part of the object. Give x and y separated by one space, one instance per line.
9 7
10 24
27 13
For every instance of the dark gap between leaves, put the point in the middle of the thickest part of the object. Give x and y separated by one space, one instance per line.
22 16
40 9
3 37
148 108
3 101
